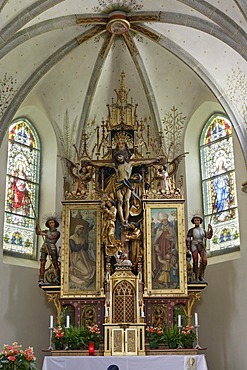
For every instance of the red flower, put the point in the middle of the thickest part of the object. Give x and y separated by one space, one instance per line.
28 354
58 332
154 333
187 329
13 354
94 329
11 358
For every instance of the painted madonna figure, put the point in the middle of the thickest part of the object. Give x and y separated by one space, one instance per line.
82 266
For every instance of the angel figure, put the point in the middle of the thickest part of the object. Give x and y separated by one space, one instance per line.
165 175
161 177
82 174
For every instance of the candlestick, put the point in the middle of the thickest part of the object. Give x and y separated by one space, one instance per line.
50 348
179 329
51 322
67 321
196 319
197 346
51 332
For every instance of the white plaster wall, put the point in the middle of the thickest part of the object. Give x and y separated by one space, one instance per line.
24 313
223 306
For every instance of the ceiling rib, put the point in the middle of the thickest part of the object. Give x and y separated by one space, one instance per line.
95 75
49 63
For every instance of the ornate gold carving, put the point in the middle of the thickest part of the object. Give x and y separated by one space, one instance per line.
122 133
124 303
193 297
55 298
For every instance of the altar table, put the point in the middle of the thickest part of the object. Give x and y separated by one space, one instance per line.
165 362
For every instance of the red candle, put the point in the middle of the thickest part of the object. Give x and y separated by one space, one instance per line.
91 348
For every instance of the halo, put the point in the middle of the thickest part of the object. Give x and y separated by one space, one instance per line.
220 159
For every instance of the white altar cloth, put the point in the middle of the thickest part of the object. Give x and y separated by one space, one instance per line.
165 362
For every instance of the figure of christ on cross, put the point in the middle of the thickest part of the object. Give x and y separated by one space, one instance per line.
120 185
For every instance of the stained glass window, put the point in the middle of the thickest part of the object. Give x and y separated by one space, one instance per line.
219 185
22 190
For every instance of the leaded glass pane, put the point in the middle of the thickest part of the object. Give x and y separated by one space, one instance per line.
22 190
219 184
219 194
217 158
217 128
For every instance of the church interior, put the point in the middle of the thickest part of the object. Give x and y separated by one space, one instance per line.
123 201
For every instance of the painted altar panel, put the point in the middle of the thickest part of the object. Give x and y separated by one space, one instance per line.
81 250
165 249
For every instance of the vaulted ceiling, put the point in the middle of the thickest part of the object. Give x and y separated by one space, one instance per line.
176 55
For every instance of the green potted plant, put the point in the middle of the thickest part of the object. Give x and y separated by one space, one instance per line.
171 336
76 337
187 336
13 357
154 336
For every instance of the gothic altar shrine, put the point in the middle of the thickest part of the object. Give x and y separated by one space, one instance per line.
123 257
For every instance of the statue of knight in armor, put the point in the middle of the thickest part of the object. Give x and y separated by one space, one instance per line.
196 243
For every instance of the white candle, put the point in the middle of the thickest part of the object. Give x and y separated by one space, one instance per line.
67 321
179 320
51 322
196 319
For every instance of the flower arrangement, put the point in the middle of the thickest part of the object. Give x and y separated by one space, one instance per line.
154 335
94 335
75 338
58 337
12 357
58 332
187 336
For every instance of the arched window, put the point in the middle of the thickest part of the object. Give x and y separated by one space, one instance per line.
22 190
219 185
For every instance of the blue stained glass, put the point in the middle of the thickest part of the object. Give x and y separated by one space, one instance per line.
219 184
22 190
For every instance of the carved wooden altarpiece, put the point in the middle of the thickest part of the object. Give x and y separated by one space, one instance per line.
123 261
